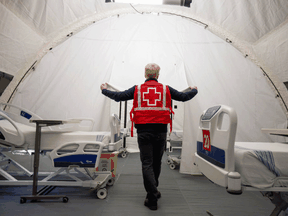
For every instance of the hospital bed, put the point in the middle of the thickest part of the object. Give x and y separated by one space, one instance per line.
174 143
240 166
70 144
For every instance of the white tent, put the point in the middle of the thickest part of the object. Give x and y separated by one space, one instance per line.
235 52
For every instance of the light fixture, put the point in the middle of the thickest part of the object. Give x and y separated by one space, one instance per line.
157 2
185 3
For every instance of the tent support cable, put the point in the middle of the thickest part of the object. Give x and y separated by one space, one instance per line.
32 66
278 93
197 21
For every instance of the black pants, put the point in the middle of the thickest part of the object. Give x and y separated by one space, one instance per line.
152 146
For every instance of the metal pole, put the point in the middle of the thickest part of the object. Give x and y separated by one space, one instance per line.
120 110
172 109
125 119
36 158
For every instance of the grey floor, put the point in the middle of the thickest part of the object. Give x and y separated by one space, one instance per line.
182 194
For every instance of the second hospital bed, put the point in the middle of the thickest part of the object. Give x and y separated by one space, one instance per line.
175 143
17 131
240 166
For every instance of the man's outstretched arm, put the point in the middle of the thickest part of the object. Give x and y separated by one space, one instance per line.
118 96
183 96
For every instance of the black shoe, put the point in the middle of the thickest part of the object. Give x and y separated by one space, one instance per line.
152 205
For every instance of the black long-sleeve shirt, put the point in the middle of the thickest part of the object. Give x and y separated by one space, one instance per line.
129 95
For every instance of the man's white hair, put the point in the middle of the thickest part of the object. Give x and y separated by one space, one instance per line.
152 71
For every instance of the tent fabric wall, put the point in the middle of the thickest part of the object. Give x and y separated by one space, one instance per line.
66 83
258 19
44 42
72 16
70 74
259 34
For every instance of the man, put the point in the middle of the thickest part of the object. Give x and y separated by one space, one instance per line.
151 113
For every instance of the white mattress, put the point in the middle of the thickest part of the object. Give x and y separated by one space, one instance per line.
176 135
51 139
261 164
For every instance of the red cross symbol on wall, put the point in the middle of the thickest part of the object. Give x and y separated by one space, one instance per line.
151 96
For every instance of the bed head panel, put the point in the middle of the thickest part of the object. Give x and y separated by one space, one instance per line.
216 136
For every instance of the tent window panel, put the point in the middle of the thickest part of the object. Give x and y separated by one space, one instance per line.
5 79
286 84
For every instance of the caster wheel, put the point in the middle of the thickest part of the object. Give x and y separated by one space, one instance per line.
65 199
111 182
22 200
172 166
102 193
124 154
169 161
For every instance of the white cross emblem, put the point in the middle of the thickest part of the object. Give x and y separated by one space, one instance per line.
151 96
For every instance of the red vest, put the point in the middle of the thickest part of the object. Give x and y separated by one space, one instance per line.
152 104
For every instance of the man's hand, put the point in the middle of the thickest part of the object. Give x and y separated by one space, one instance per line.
103 86
194 87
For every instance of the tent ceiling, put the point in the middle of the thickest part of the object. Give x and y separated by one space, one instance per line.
28 29
249 20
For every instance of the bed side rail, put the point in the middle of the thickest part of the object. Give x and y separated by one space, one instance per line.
14 137
116 140
215 147
82 154
115 124
81 124
21 115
